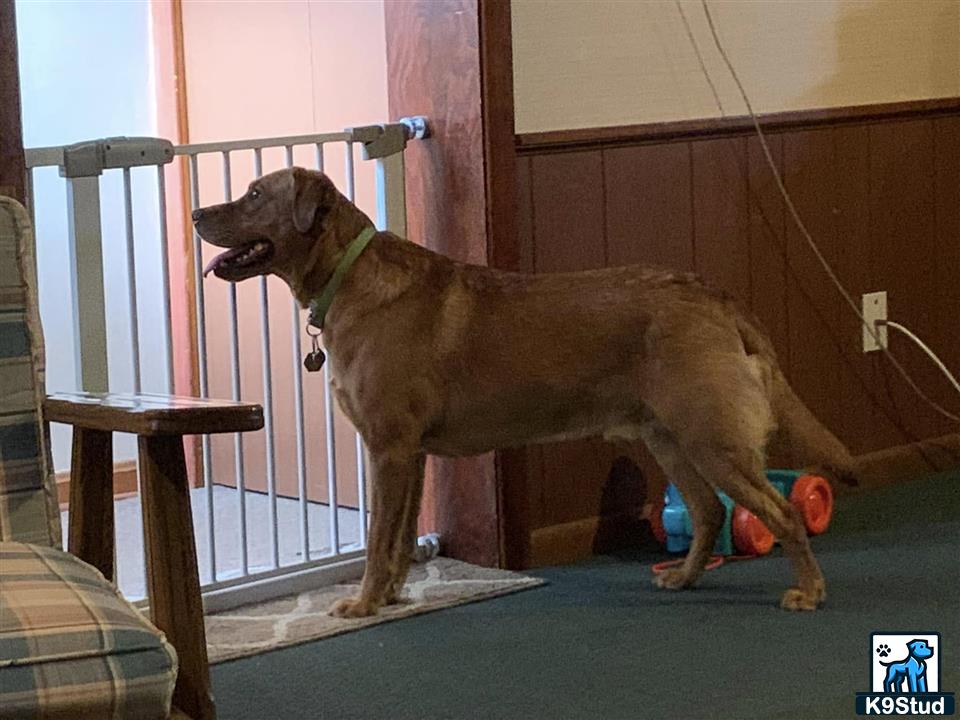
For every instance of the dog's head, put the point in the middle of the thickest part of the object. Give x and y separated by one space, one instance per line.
272 228
920 649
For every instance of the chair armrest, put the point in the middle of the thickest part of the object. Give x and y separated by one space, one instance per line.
147 414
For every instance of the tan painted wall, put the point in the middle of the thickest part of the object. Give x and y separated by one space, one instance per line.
593 63
265 69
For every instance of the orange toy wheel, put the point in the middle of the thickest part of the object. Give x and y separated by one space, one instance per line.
812 496
750 536
656 521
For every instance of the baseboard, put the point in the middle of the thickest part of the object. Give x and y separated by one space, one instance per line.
124 481
579 539
913 461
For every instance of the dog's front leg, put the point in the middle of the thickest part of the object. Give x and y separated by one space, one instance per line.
397 481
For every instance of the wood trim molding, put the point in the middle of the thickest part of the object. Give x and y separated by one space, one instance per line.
504 246
172 123
12 166
124 481
562 140
903 463
580 539
499 153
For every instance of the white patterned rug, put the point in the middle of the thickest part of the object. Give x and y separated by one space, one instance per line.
439 583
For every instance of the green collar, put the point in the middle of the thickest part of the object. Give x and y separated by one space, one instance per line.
321 305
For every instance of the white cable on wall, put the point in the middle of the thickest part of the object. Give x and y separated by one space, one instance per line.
937 361
788 201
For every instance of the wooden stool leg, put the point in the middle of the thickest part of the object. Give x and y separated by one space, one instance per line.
90 536
173 582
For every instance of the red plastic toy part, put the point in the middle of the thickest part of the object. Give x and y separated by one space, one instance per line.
812 496
656 521
750 536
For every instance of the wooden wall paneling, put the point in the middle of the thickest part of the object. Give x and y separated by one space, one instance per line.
902 225
568 234
568 229
649 222
870 421
648 205
946 156
884 207
721 216
768 268
433 69
574 474
813 304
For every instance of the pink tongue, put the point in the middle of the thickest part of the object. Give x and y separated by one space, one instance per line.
215 263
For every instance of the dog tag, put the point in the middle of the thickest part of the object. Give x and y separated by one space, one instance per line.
315 358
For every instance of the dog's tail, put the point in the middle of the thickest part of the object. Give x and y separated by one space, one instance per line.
812 442
808 437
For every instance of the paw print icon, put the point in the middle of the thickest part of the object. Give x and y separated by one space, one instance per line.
883 650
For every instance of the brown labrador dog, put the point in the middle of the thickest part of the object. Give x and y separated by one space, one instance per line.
428 355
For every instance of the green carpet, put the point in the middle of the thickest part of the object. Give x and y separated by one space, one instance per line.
600 642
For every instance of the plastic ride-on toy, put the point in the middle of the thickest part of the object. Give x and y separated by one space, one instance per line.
742 532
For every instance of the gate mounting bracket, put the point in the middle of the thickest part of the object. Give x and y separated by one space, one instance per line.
90 159
380 141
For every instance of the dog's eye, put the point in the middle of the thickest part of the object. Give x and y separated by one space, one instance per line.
254 194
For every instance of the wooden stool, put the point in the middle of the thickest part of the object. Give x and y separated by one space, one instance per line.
173 581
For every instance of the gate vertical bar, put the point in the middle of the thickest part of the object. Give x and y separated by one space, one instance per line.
238 464
295 331
358 440
268 395
86 280
131 280
165 275
202 366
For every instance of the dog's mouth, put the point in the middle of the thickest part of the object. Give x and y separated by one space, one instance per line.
241 262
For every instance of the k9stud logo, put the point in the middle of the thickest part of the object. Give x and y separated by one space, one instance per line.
905 676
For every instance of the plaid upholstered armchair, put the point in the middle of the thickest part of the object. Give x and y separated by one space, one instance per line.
70 645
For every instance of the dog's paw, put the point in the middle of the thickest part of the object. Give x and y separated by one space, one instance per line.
353 607
673 579
797 599
883 650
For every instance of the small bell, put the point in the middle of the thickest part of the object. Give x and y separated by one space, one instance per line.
315 358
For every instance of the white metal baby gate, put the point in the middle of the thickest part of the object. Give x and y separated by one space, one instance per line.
82 165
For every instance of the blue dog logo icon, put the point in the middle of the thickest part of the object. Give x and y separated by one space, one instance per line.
905 676
911 671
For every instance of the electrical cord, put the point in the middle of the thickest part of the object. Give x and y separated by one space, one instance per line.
798 221
937 361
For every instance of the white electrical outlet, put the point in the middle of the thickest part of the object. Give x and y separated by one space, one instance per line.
874 309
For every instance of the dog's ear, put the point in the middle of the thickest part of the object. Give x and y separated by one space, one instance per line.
308 199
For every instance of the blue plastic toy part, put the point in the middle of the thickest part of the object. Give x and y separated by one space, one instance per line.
679 528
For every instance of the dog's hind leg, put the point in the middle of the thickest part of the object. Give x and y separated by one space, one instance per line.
739 473
705 507
397 481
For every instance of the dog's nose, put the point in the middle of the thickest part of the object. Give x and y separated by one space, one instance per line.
198 215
